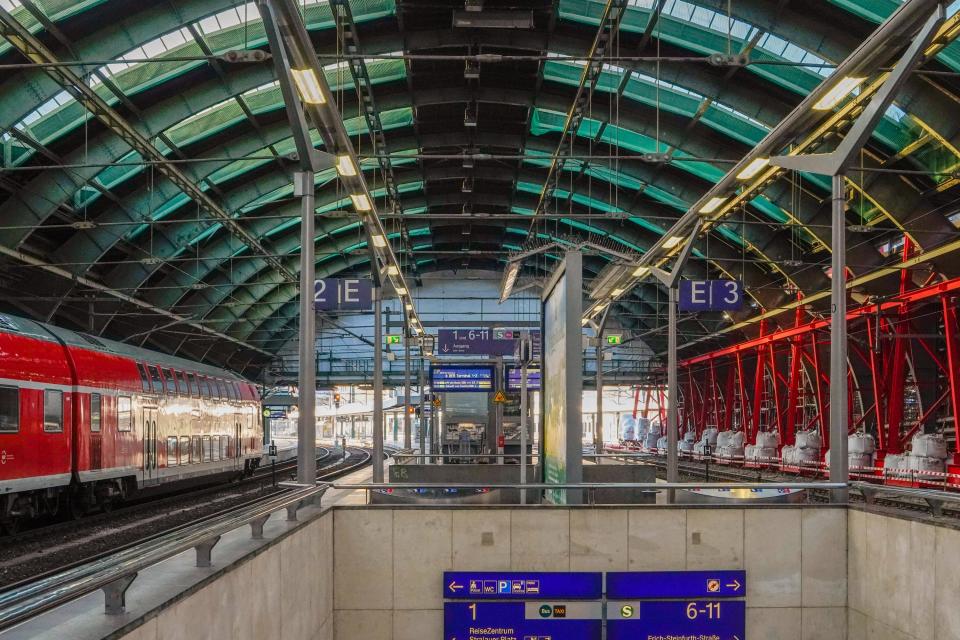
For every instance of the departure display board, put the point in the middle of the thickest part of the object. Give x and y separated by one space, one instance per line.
513 379
447 378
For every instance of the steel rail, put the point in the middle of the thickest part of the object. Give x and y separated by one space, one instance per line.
115 574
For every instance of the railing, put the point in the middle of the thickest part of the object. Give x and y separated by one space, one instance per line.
407 458
934 498
115 574
590 488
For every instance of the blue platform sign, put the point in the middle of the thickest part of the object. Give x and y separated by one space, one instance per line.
710 295
538 620
483 342
461 378
676 584
343 294
520 585
694 619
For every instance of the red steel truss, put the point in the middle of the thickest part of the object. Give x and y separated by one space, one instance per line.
903 373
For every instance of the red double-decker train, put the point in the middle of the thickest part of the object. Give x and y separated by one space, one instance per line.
86 422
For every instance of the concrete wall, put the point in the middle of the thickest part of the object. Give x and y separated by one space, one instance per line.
904 579
388 563
285 590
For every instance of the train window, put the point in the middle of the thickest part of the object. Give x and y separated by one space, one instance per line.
52 411
124 414
207 453
231 392
222 389
185 450
171 382
173 454
144 378
9 409
204 389
95 402
224 443
196 455
215 447
194 388
182 384
156 381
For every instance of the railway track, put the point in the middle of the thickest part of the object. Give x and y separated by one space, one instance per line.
697 470
45 552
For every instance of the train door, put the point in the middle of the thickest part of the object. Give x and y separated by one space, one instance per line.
150 445
238 438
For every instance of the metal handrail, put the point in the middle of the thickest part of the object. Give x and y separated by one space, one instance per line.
933 497
116 573
649 486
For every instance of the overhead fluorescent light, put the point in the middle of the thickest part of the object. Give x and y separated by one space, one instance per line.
393 270
753 168
641 272
408 307
712 204
841 90
617 292
360 202
672 241
401 291
308 86
345 166
378 241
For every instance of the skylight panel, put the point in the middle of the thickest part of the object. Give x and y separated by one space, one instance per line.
10 5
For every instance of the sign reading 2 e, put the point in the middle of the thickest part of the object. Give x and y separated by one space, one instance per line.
343 294
711 295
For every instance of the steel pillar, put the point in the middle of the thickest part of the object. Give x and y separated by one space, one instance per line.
378 383
839 462
407 443
307 379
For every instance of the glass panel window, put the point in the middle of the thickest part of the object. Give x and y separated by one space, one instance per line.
182 384
224 443
215 446
144 378
9 409
194 388
207 453
95 402
185 450
156 382
124 414
53 411
171 381
204 388
223 390
196 456
173 454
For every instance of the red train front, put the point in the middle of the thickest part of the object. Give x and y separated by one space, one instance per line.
85 422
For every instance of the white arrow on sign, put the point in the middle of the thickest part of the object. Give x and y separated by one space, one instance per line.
735 585
453 586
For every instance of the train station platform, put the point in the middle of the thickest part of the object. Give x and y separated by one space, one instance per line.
345 569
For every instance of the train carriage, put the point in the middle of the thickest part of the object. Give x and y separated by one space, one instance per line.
85 422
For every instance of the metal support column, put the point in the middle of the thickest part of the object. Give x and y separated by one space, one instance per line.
378 383
307 380
406 388
423 409
839 463
598 426
673 396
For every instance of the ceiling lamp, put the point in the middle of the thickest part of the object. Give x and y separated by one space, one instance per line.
753 168
672 241
392 270
360 202
378 241
345 166
308 86
839 91
641 272
401 291
712 204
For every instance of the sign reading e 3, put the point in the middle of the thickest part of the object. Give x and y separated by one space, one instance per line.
343 294
711 295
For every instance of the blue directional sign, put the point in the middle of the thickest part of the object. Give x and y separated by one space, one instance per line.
461 378
676 584
646 620
482 342
710 295
540 620
343 294
520 585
